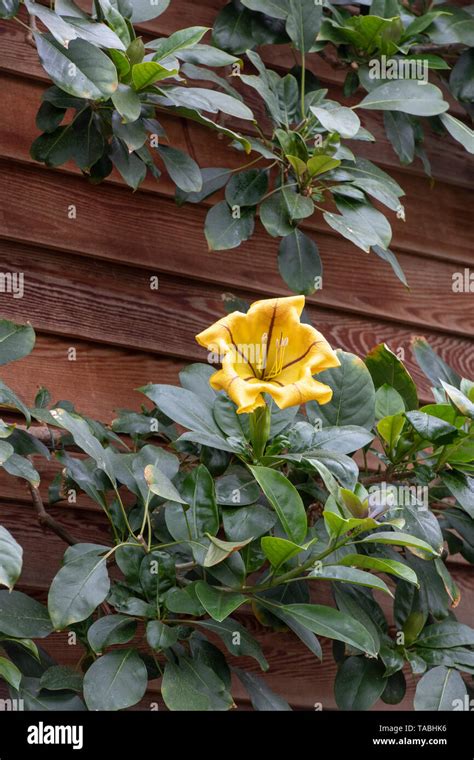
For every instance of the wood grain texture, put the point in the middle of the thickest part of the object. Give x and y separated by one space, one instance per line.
101 380
448 157
426 230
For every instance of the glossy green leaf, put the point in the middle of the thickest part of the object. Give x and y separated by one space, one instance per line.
225 229
299 262
326 621
261 696
246 188
81 70
440 688
16 341
218 604
190 685
285 500
408 96
11 559
77 589
399 539
23 617
182 169
115 681
380 565
385 367
359 683
109 630
353 400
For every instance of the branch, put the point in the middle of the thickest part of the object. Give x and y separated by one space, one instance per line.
432 47
384 477
45 519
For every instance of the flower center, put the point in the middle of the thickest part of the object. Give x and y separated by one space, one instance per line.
280 347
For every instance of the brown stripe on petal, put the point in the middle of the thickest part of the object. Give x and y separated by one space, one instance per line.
239 351
300 358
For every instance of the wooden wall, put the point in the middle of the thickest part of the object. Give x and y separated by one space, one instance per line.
87 287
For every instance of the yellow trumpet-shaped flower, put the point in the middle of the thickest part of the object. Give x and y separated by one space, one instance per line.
268 350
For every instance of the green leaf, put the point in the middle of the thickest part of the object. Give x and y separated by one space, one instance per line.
440 689
161 485
349 575
144 10
336 118
9 8
462 403
183 406
320 164
84 438
127 103
8 671
165 47
82 70
23 617
303 22
385 367
115 681
97 34
16 341
380 565
408 96
116 21
199 492
207 55
161 636
59 678
10 400
11 559
275 216
299 262
398 539
388 402
190 685
109 630
401 133
445 634
285 500
182 169
343 439
219 550
237 639
225 230
77 589
218 604
326 621
232 29
353 400
129 165
390 428
247 522
462 488
279 550
432 428
261 697
359 683
212 180
147 73
434 367
247 188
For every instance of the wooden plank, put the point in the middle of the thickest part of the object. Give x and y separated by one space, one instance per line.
115 303
448 158
101 380
426 230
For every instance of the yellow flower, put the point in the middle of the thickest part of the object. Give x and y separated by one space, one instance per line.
268 350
